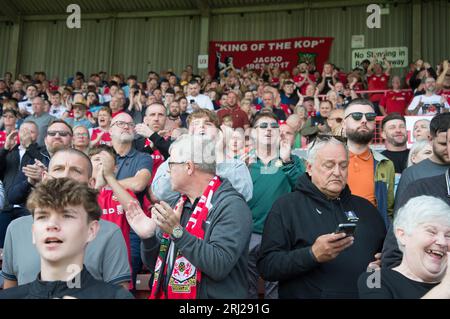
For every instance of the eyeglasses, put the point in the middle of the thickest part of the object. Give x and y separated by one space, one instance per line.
174 163
60 133
357 116
81 134
122 124
337 119
266 125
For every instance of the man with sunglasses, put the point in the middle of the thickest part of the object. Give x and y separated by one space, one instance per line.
205 122
274 172
371 175
36 160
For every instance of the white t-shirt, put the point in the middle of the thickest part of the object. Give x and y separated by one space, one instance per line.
429 104
26 105
201 100
57 111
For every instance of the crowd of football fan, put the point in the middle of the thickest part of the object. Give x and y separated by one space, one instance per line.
213 185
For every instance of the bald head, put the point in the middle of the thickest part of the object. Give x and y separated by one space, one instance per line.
124 117
122 129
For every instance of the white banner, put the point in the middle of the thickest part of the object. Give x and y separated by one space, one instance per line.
398 56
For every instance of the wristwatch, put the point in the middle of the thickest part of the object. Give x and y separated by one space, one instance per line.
177 232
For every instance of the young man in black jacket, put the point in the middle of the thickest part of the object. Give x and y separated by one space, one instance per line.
65 219
300 247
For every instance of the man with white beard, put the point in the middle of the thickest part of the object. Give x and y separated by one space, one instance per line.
133 173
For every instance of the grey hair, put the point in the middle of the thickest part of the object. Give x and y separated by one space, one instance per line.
319 144
416 148
419 210
199 149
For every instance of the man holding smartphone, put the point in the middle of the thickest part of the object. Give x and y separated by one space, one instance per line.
197 100
304 247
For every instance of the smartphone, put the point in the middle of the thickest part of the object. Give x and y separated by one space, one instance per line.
192 101
348 229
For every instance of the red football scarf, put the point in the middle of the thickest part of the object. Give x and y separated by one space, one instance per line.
185 277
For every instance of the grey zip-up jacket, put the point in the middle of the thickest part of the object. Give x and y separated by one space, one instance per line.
222 255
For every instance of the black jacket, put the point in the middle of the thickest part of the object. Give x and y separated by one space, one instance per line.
11 169
90 288
160 143
293 225
437 186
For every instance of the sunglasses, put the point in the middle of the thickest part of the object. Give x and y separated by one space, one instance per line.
266 125
60 133
357 116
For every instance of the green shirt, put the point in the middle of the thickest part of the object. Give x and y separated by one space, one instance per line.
269 183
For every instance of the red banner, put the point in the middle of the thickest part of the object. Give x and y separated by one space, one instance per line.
284 53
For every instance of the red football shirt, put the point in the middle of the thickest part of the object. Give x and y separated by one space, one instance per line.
299 78
113 211
106 138
396 101
377 82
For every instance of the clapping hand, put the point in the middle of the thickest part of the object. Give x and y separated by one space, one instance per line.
165 217
144 226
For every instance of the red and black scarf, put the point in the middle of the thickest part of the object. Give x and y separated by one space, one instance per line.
185 277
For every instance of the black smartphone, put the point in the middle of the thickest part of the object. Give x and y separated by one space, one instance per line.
192 101
348 229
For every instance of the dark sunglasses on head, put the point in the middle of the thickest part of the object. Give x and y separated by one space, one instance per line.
266 125
357 116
